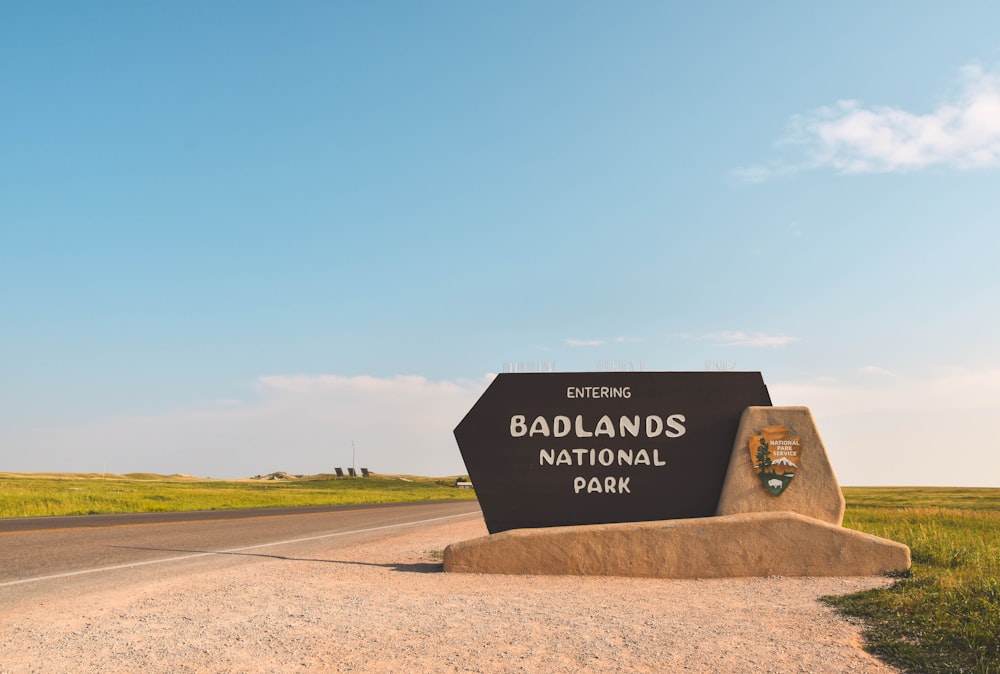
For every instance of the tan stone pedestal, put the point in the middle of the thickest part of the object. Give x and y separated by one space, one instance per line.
756 544
813 491
796 533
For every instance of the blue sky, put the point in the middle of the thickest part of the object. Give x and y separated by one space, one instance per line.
236 237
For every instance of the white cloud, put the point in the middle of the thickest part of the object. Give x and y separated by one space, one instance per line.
876 370
905 431
753 174
889 430
601 342
334 385
947 391
301 424
851 137
756 339
584 342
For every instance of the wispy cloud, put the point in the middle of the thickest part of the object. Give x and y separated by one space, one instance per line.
940 394
601 342
296 423
755 339
585 342
853 138
888 430
753 175
876 370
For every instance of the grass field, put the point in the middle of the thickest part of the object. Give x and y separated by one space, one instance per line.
33 495
943 616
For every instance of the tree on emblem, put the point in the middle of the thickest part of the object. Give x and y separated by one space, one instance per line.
763 456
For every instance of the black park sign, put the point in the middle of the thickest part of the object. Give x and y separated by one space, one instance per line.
557 449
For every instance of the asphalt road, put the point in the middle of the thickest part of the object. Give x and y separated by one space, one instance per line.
43 556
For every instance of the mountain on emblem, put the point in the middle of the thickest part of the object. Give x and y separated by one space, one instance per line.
775 456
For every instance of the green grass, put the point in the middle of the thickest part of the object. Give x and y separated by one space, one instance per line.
944 615
34 495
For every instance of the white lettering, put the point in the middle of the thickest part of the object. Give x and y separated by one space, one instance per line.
654 426
605 427
606 456
560 426
517 426
624 426
675 424
629 426
539 427
598 392
610 485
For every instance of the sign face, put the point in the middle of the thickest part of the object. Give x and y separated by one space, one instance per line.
776 457
557 449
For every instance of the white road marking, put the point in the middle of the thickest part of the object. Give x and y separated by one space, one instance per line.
130 565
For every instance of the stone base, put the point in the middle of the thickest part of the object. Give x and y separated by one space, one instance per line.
751 544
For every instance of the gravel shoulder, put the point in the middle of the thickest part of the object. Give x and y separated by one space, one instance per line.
387 607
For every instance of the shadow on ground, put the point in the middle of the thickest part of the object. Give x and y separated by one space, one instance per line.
416 567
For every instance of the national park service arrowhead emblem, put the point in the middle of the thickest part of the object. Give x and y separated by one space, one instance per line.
776 456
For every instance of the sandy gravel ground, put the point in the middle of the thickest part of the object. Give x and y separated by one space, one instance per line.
388 608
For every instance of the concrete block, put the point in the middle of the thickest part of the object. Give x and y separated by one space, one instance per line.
755 544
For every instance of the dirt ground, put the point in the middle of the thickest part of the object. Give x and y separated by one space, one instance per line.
388 607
